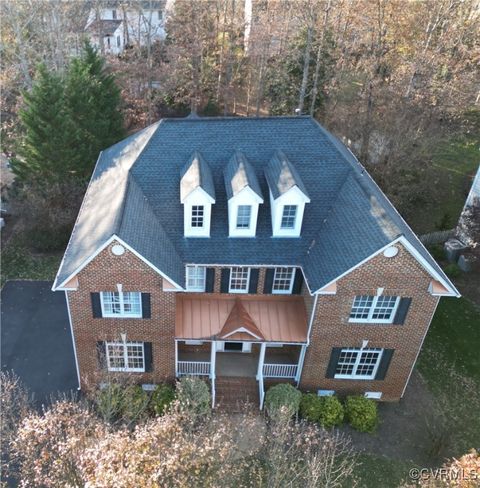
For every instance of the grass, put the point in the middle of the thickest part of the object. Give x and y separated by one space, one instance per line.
380 472
19 263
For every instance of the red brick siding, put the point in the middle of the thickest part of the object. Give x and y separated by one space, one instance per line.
399 276
102 274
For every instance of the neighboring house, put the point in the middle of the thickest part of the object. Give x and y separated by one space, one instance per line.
257 248
113 25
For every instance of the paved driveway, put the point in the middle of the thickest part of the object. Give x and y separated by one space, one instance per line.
36 342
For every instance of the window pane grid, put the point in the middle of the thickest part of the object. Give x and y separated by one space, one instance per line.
197 216
282 280
128 356
358 363
239 279
380 308
196 278
121 304
288 216
243 216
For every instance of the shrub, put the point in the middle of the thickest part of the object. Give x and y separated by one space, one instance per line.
109 402
361 413
283 396
327 411
437 251
452 270
46 239
193 396
134 403
162 397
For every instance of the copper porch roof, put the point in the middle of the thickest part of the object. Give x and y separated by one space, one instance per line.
271 318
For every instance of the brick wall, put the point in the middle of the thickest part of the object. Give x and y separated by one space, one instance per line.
103 274
399 276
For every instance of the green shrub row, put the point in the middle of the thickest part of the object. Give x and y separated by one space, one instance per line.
360 412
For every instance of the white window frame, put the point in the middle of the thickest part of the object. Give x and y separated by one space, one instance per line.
292 279
370 319
230 280
125 345
356 365
249 217
292 227
197 217
196 268
122 313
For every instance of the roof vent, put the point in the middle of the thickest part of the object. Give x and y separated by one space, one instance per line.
390 252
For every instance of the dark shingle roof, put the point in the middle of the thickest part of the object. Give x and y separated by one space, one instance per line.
135 191
106 27
282 176
196 173
239 173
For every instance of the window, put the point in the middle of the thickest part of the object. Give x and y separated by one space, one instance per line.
114 14
118 41
239 278
196 278
160 15
288 217
379 309
197 215
244 213
125 356
123 304
358 363
283 280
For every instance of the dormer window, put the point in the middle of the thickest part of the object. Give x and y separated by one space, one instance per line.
197 194
288 196
244 196
244 214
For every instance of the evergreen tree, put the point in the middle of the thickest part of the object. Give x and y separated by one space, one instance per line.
45 151
93 105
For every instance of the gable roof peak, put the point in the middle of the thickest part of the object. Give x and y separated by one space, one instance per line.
282 175
196 174
239 320
239 174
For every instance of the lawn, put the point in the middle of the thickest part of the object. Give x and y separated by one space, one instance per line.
18 262
379 471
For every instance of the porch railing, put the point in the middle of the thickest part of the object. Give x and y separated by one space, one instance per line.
194 368
280 370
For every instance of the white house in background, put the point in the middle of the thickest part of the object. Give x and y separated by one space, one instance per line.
114 24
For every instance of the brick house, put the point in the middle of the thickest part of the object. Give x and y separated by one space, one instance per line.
246 251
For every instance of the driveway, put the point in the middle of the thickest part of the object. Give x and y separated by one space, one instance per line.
36 342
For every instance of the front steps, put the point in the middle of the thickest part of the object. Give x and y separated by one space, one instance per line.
236 393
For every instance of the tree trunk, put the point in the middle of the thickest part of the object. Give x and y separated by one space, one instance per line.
306 67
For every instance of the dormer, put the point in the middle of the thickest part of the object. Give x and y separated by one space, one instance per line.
244 196
288 196
197 194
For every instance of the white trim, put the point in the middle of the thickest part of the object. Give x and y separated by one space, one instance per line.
74 344
301 360
230 280
261 360
241 329
420 348
196 289
193 343
359 352
122 314
292 279
124 344
373 306
312 316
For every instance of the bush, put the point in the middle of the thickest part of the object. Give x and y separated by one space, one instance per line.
283 396
162 397
44 239
109 402
134 403
193 396
327 411
452 270
361 413
437 251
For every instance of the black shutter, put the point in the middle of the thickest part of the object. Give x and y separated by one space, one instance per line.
102 354
147 348
252 286
210 280
96 306
225 280
402 311
384 363
332 365
146 307
268 285
297 282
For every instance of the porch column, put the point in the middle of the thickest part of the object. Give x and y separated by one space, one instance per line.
176 358
261 360
213 356
301 359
